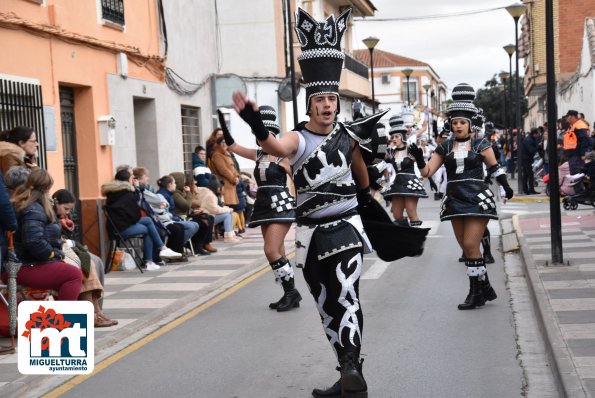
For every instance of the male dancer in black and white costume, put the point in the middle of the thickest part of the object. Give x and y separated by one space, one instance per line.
329 175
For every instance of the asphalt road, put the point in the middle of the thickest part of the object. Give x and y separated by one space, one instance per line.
416 342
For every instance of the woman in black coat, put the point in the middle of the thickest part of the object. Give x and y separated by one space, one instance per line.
38 240
126 217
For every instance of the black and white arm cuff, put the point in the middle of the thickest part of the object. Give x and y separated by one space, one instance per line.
495 171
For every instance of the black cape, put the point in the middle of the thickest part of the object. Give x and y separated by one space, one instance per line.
390 241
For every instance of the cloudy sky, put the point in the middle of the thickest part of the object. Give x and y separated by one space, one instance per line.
465 48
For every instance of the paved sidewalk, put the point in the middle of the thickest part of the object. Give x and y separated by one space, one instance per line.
541 197
144 302
564 295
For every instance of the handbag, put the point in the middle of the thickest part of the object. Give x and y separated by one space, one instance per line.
70 257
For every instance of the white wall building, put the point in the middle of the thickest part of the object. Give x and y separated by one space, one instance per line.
578 92
157 126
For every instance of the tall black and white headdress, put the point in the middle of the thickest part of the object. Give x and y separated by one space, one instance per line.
462 106
397 126
478 121
321 59
407 114
269 118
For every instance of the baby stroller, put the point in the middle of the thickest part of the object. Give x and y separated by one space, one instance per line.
585 197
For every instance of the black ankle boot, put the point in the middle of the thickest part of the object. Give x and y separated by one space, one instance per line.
332 392
486 243
353 384
489 294
476 295
291 298
404 222
436 195
274 305
468 298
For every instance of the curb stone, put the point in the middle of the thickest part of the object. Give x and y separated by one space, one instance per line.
567 380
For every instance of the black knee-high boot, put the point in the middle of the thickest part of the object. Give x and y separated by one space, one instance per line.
284 274
487 249
475 269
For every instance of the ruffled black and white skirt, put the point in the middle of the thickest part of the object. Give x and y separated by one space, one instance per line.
273 204
407 184
468 198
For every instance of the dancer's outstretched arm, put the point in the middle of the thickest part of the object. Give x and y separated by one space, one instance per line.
231 144
286 146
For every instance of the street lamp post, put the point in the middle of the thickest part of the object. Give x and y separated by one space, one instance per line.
555 216
407 72
515 11
510 49
371 42
503 78
426 88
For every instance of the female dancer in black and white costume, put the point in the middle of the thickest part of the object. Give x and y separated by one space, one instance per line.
468 204
406 188
274 208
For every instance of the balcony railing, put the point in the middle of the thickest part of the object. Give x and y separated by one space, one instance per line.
113 11
356 66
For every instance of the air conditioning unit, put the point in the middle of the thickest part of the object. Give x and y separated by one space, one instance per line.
385 79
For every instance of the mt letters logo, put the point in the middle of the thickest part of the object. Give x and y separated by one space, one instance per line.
56 337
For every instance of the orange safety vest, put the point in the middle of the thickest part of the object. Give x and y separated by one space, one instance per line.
570 138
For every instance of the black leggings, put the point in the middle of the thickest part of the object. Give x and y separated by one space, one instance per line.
334 283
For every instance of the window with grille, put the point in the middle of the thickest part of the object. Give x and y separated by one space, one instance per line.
113 11
190 134
21 104
412 91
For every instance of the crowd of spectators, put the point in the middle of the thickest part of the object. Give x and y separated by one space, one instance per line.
575 141
179 214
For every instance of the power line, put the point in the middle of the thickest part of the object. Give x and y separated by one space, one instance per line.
425 17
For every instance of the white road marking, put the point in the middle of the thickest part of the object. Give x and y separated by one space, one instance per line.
376 270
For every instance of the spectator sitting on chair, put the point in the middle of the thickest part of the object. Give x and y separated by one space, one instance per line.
167 187
8 220
142 176
37 240
19 148
91 265
155 206
208 199
15 177
125 213
202 174
183 198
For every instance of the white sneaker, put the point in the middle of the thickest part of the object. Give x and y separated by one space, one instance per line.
168 253
151 266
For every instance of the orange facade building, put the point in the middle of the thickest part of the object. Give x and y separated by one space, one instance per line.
66 50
